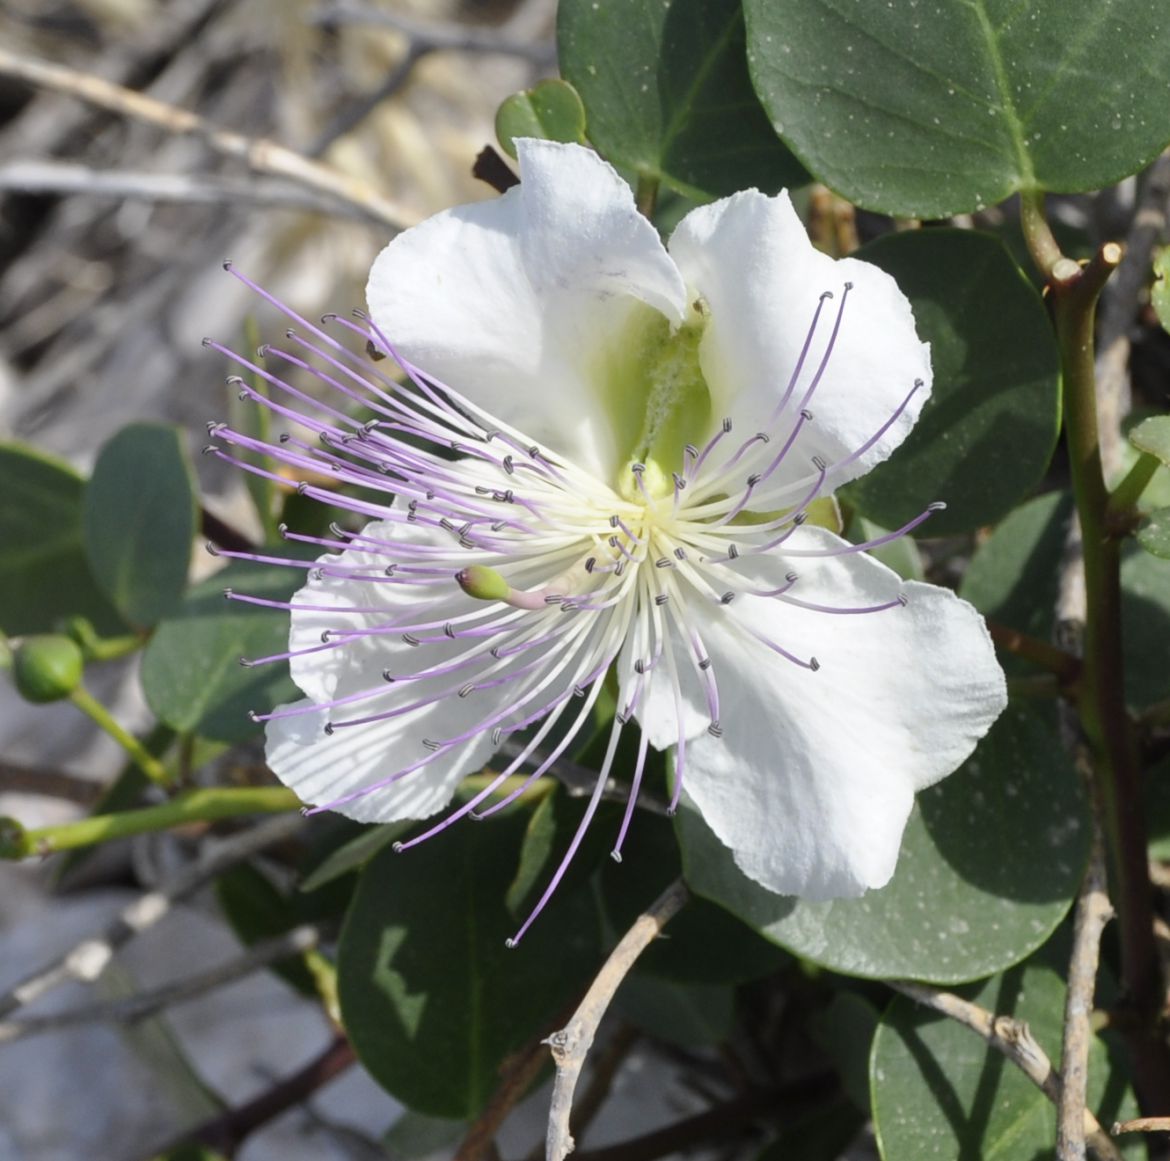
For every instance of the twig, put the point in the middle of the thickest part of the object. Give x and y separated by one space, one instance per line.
605 1068
517 1073
260 154
1014 1039
1119 308
1093 912
63 177
572 1043
89 959
711 1123
48 783
228 1130
129 1009
1142 1125
431 37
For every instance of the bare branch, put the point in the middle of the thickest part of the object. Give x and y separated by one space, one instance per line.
571 1044
260 154
129 1009
48 783
426 36
1093 912
1015 1040
62 177
228 1130
1119 307
89 959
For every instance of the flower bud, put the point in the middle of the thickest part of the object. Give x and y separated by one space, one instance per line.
47 668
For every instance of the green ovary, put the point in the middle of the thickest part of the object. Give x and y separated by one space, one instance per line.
652 384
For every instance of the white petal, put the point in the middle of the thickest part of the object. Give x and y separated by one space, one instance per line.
750 259
519 301
320 769
814 776
323 768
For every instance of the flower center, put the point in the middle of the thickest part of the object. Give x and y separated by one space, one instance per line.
652 378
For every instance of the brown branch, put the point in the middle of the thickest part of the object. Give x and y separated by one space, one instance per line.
227 1131
1014 1039
517 1073
571 1044
48 783
260 154
1064 665
713 1123
1142 1125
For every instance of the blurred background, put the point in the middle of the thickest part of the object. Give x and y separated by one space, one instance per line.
112 233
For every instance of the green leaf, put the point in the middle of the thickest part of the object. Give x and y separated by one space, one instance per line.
689 1015
990 863
1152 436
1160 292
666 88
191 669
551 110
1154 534
1145 625
44 575
139 518
432 999
355 853
415 1135
940 1091
1014 576
987 432
844 1031
926 110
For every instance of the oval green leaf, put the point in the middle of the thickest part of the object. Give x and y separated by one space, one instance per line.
551 110
666 88
940 1091
1145 626
990 863
431 998
931 109
139 519
987 432
44 575
191 670
1152 436
1154 534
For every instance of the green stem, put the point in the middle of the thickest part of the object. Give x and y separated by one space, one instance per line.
139 754
1123 501
1038 234
1102 684
194 806
646 195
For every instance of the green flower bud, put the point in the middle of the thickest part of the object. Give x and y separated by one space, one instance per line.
47 668
14 842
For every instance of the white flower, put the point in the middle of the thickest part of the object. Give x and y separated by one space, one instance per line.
606 463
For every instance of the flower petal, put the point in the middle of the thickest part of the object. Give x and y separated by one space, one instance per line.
326 768
813 778
517 302
749 258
